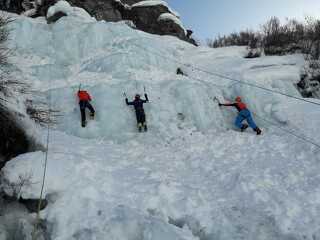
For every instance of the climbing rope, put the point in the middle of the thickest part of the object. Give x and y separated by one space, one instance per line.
288 132
36 225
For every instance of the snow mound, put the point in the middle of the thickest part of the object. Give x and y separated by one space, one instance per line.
171 17
75 12
150 3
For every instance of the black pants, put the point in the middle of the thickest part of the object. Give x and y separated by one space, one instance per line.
141 117
83 105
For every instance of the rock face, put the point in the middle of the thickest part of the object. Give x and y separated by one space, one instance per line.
14 6
43 9
100 9
13 140
33 204
146 18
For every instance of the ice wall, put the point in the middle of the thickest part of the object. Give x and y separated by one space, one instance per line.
108 59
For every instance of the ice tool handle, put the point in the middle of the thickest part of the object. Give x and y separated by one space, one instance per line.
215 99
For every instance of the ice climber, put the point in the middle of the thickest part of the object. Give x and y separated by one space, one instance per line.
244 114
140 114
84 102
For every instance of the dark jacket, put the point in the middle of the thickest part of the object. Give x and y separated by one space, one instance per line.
138 103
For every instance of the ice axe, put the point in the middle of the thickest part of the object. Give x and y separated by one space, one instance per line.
215 99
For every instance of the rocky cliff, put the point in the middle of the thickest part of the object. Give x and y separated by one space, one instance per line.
146 15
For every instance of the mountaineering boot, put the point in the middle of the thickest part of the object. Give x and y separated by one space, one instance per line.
244 127
145 127
92 115
140 127
258 131
83 124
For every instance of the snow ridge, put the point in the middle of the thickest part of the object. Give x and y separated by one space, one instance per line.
65 7
149 3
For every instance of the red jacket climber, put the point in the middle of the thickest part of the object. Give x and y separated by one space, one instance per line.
84 102
238 104
84 95
244 114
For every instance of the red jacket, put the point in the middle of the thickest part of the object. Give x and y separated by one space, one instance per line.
238 105
84 96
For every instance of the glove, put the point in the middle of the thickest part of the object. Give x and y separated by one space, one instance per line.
220 104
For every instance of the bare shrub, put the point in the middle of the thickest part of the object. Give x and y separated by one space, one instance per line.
7 84
14 189
41 113
243 38
276 38
13 140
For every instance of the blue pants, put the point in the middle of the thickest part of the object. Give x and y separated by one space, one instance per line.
245 115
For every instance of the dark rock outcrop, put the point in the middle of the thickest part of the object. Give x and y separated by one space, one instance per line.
309 84
190 39
180 72
146 19
56 17
33 204
100 9
43 9
14 6
13 140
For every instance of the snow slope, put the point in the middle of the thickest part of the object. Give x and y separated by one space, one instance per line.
192 176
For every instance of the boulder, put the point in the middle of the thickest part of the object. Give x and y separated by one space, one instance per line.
33 204
155 19
43 9
171 25
147 18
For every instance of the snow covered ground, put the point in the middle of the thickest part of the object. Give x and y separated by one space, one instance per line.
192 176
